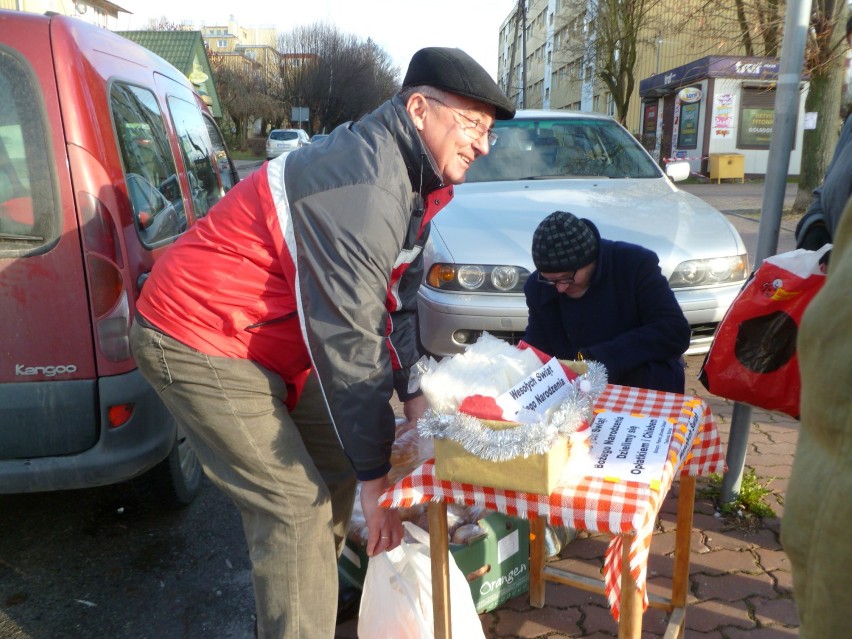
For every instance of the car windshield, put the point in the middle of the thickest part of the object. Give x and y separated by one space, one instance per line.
283 135
548 148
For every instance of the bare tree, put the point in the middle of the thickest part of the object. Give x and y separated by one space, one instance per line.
337 76
244 94
616 31
609 43
162 24
824 63
756 27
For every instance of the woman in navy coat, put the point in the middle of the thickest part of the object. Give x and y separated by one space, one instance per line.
606 301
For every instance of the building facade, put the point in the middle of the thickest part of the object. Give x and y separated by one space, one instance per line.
97 12
546 58
717 105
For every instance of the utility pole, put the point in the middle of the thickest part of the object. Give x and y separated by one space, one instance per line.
522 5
783 132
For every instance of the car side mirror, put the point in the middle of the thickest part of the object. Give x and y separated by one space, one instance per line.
678 171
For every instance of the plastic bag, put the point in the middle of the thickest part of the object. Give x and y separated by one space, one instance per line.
397 599
753 356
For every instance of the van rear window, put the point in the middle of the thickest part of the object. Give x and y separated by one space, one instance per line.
283 135
29 215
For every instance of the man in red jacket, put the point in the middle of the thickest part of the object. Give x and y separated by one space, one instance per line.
277 328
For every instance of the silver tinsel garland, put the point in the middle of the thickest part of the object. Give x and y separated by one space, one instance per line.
534 437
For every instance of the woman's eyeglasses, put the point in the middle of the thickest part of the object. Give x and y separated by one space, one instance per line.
564 281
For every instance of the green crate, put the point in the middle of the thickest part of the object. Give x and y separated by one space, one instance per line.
497 566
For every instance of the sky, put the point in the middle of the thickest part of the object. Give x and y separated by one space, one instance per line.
400 27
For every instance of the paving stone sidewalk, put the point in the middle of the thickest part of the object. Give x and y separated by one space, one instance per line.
740 581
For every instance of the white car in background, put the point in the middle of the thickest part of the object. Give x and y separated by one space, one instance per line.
285 140
478 255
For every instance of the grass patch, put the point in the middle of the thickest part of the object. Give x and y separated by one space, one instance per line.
237 154
749 505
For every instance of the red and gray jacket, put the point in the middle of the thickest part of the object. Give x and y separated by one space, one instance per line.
314 262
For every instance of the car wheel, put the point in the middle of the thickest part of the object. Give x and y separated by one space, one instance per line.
175 481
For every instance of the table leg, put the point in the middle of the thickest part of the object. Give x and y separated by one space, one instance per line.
537 533
683 539
630 608
439 548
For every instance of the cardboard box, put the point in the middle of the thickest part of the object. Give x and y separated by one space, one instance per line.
537 474
497 566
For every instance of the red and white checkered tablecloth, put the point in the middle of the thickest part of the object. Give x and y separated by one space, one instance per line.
591 503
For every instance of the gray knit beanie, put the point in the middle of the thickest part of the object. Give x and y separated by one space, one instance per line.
562 242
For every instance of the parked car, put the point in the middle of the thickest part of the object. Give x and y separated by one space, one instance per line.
478 255
107 155
285 140
318 137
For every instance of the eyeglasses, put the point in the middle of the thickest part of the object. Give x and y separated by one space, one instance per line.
476 125
565 281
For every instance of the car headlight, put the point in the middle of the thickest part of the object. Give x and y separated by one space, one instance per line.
710 272
477 278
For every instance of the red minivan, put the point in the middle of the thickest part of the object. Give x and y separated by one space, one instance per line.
107 155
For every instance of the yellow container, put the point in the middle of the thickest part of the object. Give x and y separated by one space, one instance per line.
537 474
727 165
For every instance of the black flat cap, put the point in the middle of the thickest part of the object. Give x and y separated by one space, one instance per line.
455 71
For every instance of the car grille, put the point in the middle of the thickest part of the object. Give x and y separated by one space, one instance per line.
513 337
703 330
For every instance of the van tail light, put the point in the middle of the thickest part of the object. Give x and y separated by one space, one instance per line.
113 331
107 295
120 414
99 232
110 308
107 284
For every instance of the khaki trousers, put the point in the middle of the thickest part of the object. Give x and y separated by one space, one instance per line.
285 471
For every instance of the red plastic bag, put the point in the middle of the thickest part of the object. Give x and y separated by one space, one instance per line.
753 356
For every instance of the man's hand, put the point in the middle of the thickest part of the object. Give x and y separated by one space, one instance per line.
384 525
413 410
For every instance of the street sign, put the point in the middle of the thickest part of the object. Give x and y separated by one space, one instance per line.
299 114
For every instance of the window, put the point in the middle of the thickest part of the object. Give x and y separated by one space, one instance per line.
687 137
204 185
562 147
757 114
649 125
149 168
221 43
227 172
29 213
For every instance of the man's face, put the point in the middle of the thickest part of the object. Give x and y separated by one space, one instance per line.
573 284
455 130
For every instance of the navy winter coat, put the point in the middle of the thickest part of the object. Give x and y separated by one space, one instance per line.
628 319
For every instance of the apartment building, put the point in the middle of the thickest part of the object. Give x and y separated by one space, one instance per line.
250 48
546 61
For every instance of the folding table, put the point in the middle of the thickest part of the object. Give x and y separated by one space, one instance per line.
625 509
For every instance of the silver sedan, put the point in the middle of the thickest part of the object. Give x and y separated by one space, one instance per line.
478 256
